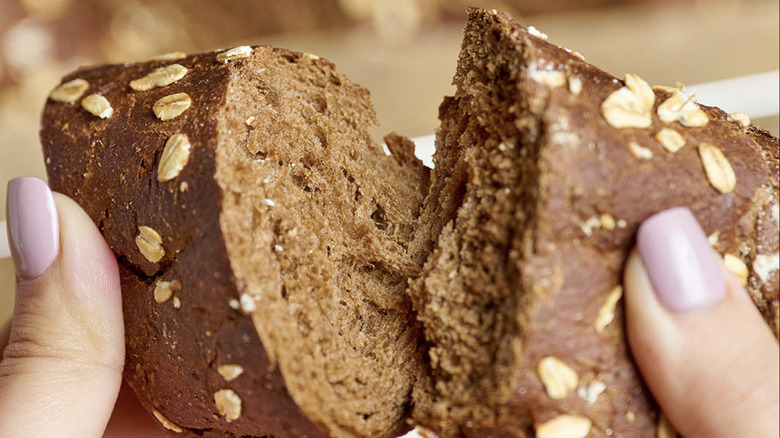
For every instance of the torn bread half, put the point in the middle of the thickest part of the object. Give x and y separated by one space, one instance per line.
544 167
261 236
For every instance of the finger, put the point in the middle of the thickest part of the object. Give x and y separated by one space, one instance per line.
61 371
705 352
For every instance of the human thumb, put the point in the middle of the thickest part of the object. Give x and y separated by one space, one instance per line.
61 371
704 350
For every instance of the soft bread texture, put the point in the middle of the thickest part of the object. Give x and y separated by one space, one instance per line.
534 202
284 236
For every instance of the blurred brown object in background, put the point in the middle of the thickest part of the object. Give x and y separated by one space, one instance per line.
40 40
38 35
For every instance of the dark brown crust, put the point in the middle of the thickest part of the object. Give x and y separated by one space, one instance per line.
110 168
558 270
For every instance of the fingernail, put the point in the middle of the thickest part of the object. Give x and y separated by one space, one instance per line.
33 230
679 260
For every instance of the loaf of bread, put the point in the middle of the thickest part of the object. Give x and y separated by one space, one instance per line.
282 276
261 237
544 168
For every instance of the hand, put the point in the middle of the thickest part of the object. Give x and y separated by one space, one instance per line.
704 350
62 367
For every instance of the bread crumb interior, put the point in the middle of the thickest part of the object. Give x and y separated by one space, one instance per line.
316 220
478 217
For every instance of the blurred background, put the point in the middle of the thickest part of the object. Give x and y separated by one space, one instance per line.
403 51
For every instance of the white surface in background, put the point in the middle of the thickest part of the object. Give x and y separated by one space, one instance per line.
424 149
412 434
5 250
755 95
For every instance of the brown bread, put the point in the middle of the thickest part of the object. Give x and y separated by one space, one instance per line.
541 178
261 236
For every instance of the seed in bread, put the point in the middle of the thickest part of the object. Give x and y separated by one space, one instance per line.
97 105
171 106
70 91
159 77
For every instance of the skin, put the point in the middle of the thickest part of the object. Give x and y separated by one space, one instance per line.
714 372
61 370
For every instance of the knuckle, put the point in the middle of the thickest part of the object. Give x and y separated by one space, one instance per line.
35 343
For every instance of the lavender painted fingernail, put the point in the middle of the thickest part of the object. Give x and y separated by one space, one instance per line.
33 230
680 262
